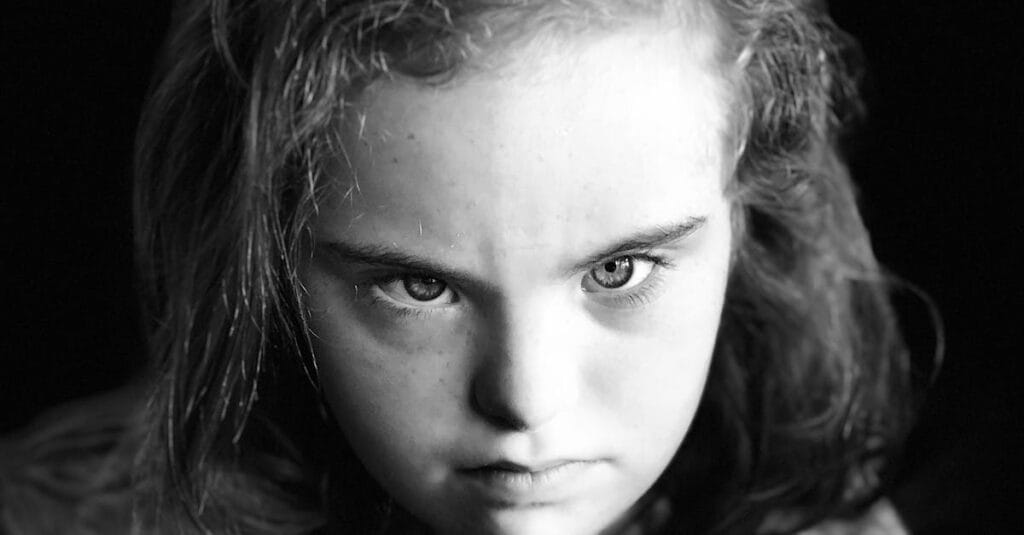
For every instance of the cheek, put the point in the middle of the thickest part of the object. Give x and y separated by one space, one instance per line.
652 378
656 383
398 403
368 382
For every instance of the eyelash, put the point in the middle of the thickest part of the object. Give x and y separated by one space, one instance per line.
636 297
646 290
372 290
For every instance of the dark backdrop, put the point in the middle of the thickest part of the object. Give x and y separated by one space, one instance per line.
939 163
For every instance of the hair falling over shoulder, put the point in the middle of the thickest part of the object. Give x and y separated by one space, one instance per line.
808 394
810 381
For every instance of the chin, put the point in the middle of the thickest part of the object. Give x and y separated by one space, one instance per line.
530 520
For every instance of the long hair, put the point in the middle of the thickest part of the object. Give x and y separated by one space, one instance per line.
809 387
807 391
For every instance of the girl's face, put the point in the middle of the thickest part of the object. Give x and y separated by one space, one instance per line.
516 290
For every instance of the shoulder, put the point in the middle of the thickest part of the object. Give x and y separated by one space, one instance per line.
880 519
70 471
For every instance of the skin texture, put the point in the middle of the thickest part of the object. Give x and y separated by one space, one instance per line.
510 187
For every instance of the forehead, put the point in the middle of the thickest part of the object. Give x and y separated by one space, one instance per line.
624 130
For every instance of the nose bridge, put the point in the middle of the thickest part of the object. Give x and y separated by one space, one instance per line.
527 373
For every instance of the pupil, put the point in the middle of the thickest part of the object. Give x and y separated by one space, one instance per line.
424 288
615 273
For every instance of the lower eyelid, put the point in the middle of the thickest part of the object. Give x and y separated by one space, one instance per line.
638 297
396 309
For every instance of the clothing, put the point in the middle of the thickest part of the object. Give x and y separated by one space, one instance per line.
70 470
881 519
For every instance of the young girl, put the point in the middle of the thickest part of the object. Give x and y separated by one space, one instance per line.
486 266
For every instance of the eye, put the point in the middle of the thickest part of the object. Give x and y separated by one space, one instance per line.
618 274
417 290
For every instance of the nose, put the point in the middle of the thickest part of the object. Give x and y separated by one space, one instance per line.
529 372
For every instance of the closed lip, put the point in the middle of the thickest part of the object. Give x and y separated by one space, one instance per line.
512 484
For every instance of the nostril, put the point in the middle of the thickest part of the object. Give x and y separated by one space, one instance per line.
516 405
509 423
501 414
528 371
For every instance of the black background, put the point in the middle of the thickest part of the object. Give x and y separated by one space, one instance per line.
939 163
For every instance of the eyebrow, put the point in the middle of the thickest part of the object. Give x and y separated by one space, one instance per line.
653 238
378 255
658 236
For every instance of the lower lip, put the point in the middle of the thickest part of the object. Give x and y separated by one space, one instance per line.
512 488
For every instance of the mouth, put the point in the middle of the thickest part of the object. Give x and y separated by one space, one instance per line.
512 484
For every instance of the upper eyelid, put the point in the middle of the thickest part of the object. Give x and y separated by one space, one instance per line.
390 273
377 255
644 254
645 241
659 262
377 269
456 295
382 270
398 271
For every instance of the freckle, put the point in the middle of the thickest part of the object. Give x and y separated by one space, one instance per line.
410 136
394 160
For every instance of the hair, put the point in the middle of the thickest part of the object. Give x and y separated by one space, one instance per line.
808 391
